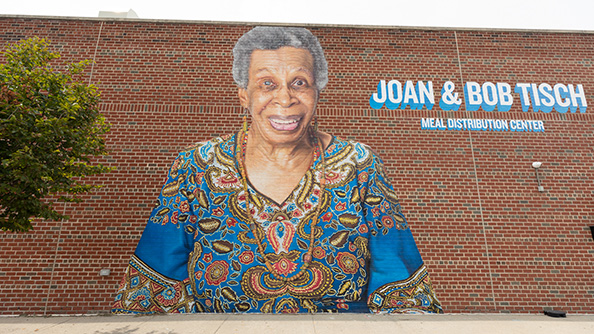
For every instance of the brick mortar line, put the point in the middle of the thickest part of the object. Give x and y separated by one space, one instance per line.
95 53
49 287
478 189
353 112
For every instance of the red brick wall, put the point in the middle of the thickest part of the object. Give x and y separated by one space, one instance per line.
491 240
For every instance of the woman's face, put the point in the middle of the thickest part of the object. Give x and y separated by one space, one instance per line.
281 94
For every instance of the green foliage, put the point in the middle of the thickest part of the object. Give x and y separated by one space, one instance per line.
50 128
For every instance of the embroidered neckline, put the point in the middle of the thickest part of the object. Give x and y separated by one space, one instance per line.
254 224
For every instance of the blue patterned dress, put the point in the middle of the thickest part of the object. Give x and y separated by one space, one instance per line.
198 254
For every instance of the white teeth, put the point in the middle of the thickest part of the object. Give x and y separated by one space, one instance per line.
284 121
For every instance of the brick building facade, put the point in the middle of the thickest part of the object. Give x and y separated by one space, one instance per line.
491 241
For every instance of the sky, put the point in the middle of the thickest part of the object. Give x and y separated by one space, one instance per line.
501 14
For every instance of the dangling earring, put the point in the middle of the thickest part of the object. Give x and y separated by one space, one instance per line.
245 123
313 130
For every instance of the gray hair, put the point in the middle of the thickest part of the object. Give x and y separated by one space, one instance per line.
274 38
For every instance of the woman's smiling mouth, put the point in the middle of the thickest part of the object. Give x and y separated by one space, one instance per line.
284 123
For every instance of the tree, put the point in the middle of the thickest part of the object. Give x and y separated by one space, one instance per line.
50 130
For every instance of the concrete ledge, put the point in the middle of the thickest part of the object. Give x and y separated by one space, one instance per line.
302 324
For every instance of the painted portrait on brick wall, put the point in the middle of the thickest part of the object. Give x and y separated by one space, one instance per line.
279 216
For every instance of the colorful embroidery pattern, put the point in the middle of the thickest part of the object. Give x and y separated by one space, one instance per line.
413 295
197 253
143 291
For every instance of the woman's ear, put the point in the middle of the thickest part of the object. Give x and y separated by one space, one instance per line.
243 97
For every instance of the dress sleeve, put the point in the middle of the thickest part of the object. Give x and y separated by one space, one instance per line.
156 279
398 281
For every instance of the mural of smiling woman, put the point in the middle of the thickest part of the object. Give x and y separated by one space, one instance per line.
278 217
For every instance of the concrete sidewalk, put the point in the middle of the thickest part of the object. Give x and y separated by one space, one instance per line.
302 324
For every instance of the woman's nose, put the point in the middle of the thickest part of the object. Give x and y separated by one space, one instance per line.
284 96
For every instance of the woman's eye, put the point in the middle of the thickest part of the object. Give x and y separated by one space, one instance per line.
299 83
267 85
